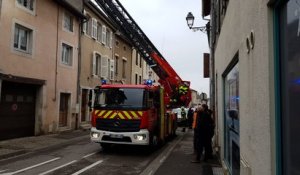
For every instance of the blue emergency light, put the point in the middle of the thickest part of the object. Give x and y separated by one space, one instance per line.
149 82
103 81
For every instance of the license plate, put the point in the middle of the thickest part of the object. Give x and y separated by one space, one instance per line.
118 136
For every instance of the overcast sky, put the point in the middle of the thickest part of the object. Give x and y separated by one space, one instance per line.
163 21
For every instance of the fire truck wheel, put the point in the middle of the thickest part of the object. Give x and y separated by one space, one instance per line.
105 146
153 142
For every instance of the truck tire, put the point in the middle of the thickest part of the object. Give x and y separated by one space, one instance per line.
153 142
105 146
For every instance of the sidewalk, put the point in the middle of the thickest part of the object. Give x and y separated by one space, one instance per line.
179 160
25 145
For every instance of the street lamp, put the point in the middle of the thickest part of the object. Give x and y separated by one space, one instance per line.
190 22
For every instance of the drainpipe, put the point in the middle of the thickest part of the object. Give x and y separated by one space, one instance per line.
78 75
81 21
213 99
56 58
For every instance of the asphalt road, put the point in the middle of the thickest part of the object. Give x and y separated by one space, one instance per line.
85 157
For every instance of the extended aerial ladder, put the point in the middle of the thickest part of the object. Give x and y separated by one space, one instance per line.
177 91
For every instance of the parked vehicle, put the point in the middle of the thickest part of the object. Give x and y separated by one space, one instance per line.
131 114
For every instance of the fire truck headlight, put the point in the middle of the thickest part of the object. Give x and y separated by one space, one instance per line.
95 135
140 137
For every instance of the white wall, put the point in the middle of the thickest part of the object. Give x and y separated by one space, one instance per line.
256 87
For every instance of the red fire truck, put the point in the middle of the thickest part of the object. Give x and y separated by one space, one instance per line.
137 114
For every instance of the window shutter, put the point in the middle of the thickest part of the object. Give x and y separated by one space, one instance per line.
84 22
112 69
94 28
110 40
84 27
104 67
99 32
104 34
94 64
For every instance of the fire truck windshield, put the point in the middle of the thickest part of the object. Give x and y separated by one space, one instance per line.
116 98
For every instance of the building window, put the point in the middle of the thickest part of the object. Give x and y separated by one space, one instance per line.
117 65
288 98
28 4
67 54
140 62
232 129
124 68
104 34
23 38
137 59
96 64
94 28
68 22
99 32
111 69
140 79
108 38
101 66
87 26
136 78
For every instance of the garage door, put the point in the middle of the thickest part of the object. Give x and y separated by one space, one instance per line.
17 110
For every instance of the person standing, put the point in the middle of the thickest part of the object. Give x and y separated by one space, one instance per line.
190 117
204 125
183 118
194 124
211 135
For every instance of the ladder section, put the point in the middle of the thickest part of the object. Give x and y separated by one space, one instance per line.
117 13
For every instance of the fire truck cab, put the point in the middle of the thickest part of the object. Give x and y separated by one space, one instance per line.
130 114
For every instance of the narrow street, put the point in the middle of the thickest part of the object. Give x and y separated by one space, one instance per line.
83 156
80 156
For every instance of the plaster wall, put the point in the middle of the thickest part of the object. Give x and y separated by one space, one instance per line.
136 69
124 52
255 80
45 57
89 46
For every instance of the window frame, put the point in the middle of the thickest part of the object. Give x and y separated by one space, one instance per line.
104 32
28 10
29 52
285 84
124 64
111 69
96 64
99 32
116 64
231 134
94 31
70 17
67 61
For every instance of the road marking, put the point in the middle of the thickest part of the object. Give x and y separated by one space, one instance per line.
88 167
150 173
33 166
162 159
49 171
89 155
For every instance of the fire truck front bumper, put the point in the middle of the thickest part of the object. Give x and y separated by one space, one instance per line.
132 138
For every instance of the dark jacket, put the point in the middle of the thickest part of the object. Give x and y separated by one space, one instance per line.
205 124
